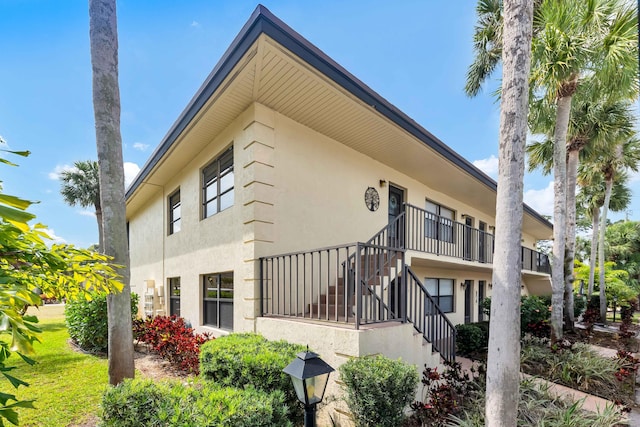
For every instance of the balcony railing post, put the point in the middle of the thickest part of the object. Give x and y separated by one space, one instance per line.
358 286
260 291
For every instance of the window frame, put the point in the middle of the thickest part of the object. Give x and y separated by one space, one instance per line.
438 297
214 173
174 299
172 206
218 301
439 228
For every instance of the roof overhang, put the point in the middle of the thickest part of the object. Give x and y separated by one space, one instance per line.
269 63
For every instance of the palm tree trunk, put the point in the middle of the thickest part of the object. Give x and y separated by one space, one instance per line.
503 361
103 36
595 215
570 243
603 229
559 214
100 229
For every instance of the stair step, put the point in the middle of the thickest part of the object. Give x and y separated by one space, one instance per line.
339 288
322 309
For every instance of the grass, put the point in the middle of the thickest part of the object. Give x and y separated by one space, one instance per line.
66 385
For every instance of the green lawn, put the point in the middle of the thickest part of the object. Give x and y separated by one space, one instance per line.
66 385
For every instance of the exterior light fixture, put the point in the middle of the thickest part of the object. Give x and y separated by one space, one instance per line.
310 375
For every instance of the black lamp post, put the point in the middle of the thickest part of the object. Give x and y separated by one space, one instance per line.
310 375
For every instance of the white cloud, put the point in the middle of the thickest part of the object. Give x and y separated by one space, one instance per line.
140 146
86 212
53 237
488 166
541 200
55 174
130 172
634 176
195 24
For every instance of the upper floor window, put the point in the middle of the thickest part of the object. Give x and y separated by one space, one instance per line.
439 222
217 184
174 212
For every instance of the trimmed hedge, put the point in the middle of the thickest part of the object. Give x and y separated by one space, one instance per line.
378 389
143 403
247 359
87 322
472 338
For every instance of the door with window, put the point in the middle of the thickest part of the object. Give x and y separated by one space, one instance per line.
468 301
482 242
174 296
468 238
396 207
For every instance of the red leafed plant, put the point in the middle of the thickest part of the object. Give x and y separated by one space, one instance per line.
172 339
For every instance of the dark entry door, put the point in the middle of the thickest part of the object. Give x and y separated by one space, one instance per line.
482 242
468 301
396 200
468 238
481 289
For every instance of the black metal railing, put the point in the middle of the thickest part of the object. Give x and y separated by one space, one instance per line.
435 234
354 283
535 261
427 318
427 232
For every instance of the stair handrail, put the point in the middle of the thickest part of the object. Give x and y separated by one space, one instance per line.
440 332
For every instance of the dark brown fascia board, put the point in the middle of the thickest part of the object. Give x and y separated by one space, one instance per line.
263 21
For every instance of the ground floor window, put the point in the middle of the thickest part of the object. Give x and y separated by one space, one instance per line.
218 300
441 290
174 296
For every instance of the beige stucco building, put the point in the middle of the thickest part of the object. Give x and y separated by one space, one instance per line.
282 151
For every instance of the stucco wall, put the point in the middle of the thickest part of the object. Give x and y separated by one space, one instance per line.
295 189
336 345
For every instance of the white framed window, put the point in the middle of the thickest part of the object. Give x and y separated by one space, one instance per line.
439 222
175 212
217 300
441 290
217 184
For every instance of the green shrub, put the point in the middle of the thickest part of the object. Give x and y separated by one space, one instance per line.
87 321
577 366
143 403
378 389
245 359
471 338
579 305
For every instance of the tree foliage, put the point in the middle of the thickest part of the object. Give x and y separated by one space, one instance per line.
80 186
623 248
28 264
617 280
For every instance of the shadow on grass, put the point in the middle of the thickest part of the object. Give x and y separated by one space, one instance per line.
52 327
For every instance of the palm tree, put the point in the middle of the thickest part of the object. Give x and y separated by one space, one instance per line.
103 37
625 155
594 123
81 187
573 39
591 197
503 361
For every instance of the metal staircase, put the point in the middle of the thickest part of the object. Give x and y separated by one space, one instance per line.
359 284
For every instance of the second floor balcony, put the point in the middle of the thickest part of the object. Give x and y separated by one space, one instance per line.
427 232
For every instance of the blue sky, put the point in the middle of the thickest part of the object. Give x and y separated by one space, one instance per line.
412 52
